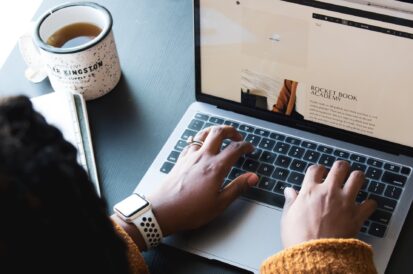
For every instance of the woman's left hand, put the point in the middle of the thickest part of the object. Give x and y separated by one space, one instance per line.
192 193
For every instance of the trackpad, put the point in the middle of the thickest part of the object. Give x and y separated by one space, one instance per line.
245 235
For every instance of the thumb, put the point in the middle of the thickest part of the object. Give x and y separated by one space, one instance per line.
290 196
234 189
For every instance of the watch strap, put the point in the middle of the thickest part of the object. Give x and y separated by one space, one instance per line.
149 228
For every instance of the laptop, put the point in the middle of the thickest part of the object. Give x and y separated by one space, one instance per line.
305 82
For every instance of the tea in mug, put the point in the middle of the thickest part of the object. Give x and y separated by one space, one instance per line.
73 35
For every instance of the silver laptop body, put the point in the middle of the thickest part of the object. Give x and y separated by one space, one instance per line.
353 70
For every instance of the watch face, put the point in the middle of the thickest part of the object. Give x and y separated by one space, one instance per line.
131 205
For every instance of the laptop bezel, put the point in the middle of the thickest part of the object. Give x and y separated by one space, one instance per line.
313 127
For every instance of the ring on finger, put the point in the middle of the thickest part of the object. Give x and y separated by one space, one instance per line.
191 141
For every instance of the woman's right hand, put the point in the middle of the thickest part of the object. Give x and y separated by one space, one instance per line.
325 208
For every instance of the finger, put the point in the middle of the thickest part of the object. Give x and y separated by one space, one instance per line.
234 151
234 189
216 135
195 143
353 184
201 136
314 175
337 175
290 196
366 208
184 151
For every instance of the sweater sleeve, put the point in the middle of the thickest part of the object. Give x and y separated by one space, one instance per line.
323 256
136 261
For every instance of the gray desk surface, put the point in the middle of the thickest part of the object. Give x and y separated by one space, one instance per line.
130 124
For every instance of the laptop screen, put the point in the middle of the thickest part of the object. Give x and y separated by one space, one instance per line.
342 65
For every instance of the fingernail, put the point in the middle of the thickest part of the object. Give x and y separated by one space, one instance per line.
252 179
287 191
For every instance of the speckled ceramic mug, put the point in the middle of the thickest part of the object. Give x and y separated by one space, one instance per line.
91 69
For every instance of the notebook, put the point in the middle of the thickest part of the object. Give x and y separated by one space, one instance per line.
306 82
68 113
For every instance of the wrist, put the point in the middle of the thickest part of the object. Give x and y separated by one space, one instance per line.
132 231
164 216
136 211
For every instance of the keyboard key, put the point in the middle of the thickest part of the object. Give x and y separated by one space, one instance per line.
280 174
296 178
374 162
267 157
265 197
267 144
266 183
231 123
325 149
281 148
357 158
207 125
293 141
280 186
166 167
393 192
405 170
265 170
308 145
393 178
255 154
196 125
173 156
341 154
283 161
376 187
363 229
365 184
250 165
311 156
373 173
377 230
384 203
246 128
201 116
296 152
225 143
277 136
240 162
327 160
235 172
216 120
226 182
297 188
253 139
361 196
262 132
380 216
187 133
358 166
180 145
298 165
392 167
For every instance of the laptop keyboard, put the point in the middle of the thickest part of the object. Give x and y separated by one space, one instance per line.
281 161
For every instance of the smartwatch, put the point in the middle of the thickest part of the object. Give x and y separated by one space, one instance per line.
136 210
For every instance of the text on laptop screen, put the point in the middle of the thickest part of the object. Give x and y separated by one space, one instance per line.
317 62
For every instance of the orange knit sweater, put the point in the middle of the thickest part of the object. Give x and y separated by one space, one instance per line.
317 256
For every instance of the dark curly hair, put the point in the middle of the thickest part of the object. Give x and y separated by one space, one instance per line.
52 220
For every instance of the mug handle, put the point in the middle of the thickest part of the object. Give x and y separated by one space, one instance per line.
35 71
